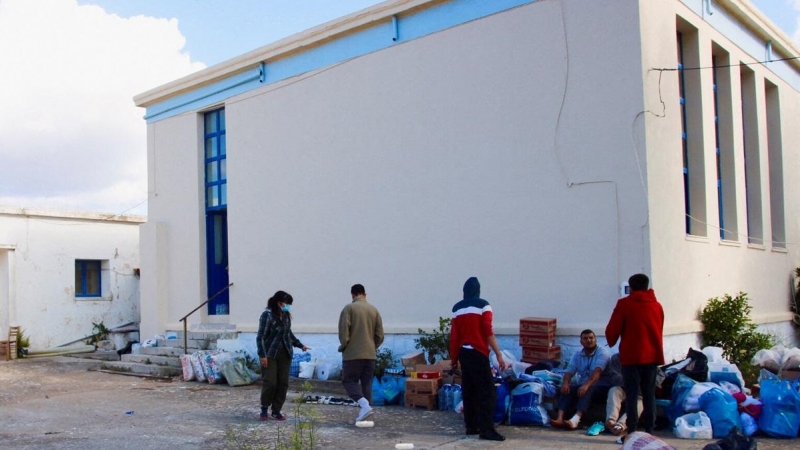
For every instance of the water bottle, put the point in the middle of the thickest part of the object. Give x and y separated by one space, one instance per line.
448 397
442 399
456 391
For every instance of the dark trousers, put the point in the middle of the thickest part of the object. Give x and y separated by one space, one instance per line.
595 393
640 380
275 380
357 378
477 390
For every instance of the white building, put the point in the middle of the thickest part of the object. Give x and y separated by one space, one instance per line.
62 271
550 148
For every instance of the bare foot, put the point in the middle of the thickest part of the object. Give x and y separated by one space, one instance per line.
557 423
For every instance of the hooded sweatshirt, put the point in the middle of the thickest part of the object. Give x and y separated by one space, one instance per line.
638 320
471 321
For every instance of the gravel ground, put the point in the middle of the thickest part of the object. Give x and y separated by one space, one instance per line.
57 403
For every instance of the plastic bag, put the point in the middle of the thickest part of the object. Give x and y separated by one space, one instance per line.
749 424
378 398
323 370
197 366
714 354
212 364
780 416
791 359
639 440
237 373
693 426
508 357
501 402
733 441
186 366
769 359
390 389
723 411
306 370
297 358
724 371
525 406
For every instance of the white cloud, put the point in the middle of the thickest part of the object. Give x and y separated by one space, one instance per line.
70 136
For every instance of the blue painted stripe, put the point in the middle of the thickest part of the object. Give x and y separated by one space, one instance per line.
378 37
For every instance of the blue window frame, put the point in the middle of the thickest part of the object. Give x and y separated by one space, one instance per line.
215 160
720 203
87 278
684 135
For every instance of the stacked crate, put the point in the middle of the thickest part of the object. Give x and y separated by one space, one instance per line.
422 387
537 337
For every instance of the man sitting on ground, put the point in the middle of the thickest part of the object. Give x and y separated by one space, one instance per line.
584 378
616 399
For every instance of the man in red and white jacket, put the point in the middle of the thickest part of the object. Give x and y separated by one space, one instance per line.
638 320
471 335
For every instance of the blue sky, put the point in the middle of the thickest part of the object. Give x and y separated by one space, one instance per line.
85 60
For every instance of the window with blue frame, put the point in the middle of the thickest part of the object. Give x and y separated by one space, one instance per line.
87 278
215 160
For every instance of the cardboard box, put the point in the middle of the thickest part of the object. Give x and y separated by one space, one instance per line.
410 360
553 352
420 386
789 374
426 402
540 342
537 326
427 372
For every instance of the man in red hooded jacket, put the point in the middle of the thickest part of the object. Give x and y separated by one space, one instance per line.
638 320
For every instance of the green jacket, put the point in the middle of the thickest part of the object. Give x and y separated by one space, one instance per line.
360 330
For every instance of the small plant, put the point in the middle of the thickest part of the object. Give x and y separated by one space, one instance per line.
384 359
436 343
23 342
100 333
727 324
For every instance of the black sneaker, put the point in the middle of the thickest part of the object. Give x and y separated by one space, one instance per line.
472 431
279 417
492 436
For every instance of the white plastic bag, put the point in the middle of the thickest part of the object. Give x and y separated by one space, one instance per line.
791 359
693 426
307 370
322 370
768 359
714 354
725 371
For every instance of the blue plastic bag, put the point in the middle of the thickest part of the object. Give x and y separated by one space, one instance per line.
390 389
525 406
780 416
680 390
378 397
501 403
722 409
297 358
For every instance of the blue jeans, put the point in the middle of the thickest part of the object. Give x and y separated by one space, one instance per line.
594 393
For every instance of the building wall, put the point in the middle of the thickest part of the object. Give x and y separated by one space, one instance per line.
38 249
412 168
688 270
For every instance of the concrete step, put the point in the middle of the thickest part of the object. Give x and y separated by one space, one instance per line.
193 344
144 369
171 361
164 351
98 355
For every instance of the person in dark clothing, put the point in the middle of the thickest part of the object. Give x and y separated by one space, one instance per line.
275 341
638 320
471 336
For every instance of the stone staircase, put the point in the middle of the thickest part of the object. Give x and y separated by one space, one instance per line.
164 360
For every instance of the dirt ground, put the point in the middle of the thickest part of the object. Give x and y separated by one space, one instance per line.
57 403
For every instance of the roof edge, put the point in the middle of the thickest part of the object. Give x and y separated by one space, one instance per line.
71 214
764 27
297 42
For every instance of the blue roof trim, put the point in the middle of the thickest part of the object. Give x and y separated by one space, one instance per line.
378 37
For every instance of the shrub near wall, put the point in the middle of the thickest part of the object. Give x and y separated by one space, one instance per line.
727 324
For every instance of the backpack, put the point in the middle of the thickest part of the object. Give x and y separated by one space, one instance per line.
694 366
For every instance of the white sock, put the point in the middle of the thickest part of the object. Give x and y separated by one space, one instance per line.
576 419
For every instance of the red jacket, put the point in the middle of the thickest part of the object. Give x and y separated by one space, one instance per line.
638 320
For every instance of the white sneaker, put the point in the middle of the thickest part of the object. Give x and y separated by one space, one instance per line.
365 411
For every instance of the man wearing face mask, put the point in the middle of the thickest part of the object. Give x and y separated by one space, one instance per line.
275 341
360 335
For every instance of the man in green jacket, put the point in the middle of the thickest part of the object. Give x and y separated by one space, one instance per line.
360 335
